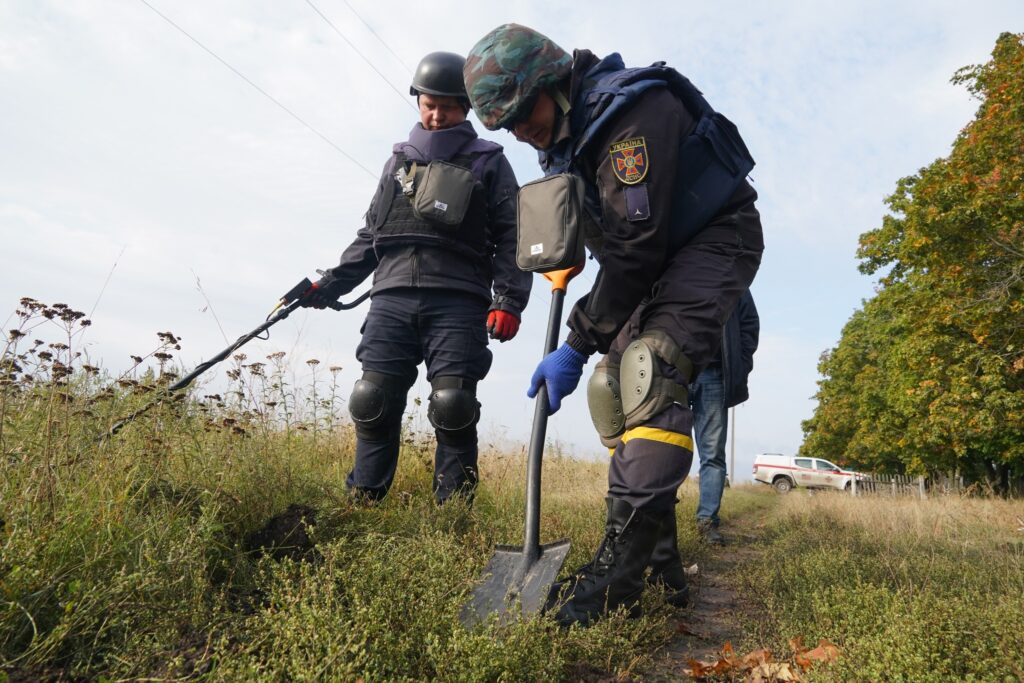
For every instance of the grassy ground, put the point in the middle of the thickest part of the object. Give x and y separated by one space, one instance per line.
911 590
138 557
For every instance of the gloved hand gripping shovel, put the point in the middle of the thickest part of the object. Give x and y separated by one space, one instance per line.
524 575
289 302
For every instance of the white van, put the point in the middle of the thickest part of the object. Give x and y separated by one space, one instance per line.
784 472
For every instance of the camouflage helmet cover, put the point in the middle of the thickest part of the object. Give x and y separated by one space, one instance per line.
506 70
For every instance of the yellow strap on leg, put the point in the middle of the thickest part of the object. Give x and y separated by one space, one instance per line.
661 435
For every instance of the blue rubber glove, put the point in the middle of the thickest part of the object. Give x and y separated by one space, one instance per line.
560 371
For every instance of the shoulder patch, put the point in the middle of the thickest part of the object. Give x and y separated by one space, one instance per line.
630 160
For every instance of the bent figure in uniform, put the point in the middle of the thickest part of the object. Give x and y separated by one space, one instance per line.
439 239
672 223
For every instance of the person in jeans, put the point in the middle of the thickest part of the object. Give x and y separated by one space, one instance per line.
720 386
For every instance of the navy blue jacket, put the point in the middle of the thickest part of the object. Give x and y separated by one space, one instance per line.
633 253
494 277
739 342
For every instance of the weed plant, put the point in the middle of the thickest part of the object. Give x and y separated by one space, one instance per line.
912 590
132 557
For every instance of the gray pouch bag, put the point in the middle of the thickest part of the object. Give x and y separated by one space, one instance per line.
443 193
549 224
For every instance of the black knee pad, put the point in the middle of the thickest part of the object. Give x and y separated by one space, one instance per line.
376 406
452 406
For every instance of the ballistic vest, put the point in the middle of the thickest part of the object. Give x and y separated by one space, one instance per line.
397 224
713 160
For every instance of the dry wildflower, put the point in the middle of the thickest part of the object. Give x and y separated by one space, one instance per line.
335 369
312 362
45 355
162 357
277 355
240 357
16 334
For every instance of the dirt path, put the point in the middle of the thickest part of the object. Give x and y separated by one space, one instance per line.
719 610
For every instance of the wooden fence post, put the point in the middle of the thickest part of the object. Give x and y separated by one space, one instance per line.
920 486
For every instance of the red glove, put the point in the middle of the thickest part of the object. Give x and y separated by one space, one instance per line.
502 325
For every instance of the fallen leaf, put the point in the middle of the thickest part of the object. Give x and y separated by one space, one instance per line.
776 672
699 669
825 652
757 657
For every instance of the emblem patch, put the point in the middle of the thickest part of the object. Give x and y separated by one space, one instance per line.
629 160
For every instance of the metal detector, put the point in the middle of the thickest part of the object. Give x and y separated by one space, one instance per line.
288 303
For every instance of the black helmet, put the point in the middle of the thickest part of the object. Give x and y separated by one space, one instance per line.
440 73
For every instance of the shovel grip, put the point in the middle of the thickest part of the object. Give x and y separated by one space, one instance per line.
559 279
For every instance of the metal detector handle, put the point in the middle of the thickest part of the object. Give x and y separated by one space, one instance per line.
340 306
531 542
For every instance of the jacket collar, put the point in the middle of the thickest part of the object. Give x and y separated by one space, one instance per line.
427 145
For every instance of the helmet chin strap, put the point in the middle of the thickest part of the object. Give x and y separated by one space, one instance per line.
561 100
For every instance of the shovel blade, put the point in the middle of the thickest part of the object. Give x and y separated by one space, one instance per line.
511 579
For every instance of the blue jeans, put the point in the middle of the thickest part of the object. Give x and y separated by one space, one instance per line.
710 427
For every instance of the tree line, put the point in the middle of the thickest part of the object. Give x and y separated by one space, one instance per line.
928 375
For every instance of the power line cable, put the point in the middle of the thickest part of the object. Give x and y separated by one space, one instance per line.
405 97
375 35
260 90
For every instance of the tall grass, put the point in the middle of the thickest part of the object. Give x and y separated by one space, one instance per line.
912 590
132 557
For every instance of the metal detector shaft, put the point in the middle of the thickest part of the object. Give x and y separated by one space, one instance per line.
241 341
531 542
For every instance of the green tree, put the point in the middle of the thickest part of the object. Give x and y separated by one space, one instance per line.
929 375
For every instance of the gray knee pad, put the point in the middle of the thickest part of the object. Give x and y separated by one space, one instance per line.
604 398
645 390
452 405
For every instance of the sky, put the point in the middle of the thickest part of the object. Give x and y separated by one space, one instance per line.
145 182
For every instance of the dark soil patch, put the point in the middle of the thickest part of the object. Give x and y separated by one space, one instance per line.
285 535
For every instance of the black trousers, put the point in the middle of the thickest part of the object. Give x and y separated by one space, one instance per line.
445 330
690 302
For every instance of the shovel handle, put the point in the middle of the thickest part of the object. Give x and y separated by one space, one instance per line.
559 279
531 542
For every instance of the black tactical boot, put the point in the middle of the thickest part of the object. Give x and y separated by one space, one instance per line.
615 577
709 532
667 566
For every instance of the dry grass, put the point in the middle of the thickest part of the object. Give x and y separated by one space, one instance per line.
912 590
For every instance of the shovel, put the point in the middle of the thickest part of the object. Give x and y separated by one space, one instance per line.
524 575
